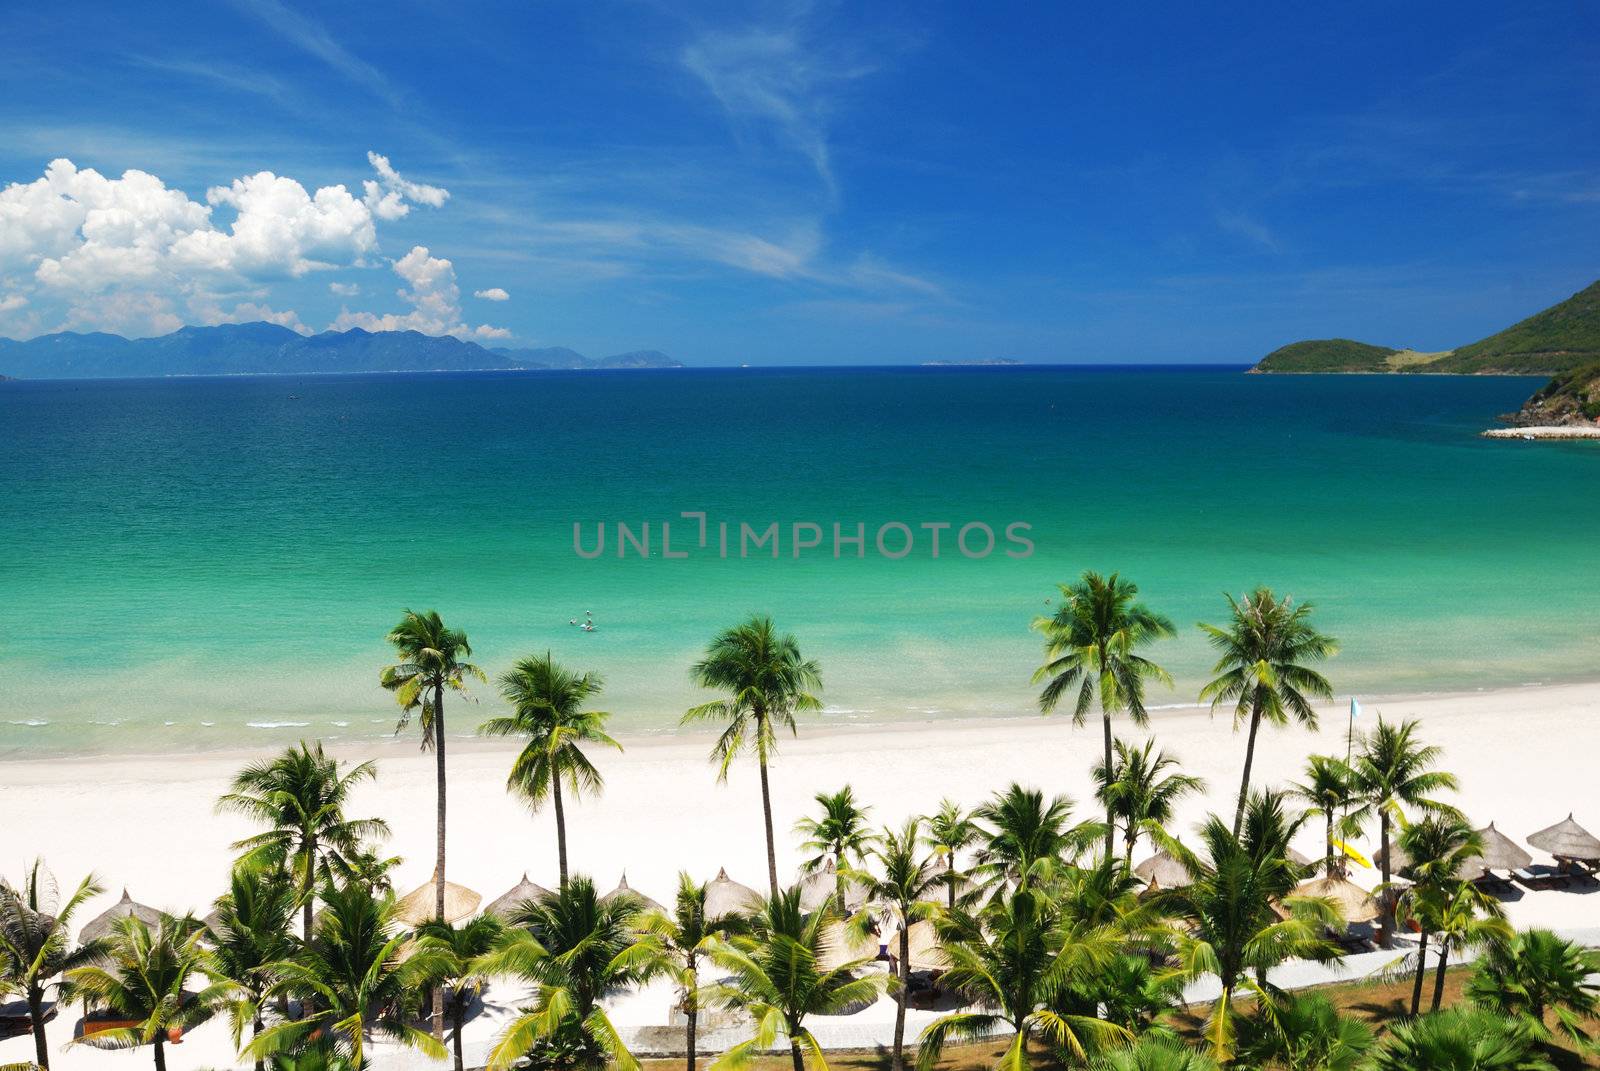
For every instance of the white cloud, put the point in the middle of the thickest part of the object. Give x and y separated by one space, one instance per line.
104 253
388 197
345 289
12 302
494 293
433 295
208 312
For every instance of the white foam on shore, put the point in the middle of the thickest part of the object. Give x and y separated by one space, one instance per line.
276 724
30 724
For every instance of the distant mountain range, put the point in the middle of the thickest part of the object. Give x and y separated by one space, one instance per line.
241 349
1563 337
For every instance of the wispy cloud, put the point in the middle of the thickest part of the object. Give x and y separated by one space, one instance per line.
313 37
219 74
1250 229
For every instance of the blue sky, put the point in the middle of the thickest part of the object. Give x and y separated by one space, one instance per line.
804 183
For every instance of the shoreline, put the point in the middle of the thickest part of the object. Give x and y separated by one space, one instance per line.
1545 431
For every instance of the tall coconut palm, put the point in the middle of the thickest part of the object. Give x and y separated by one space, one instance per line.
1239 917
687 937
839 835
251 940
1013 960
906 888
300 796
1394 771
548 707
767 682
949 831
1139 792
357 983
776 975
143 975
1437 846
1092 645
1537 974
1027 836
36 945
576 949
1263 669
451 957
1327 793
1461 1039
1463 917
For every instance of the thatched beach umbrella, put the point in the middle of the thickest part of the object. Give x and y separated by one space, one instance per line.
1399 861
1500 852
507 903
926 952
1297 858
102 924
420 905
1355 904
1567 840
841 945
1163 871
817 886
725 897
624 889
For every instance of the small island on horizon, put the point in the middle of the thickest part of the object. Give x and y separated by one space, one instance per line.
973 362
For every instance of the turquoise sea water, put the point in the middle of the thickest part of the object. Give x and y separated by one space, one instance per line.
214 562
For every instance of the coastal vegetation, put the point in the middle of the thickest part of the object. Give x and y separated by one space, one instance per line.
1028 924
1562 337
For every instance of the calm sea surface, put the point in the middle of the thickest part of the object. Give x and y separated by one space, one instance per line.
214 562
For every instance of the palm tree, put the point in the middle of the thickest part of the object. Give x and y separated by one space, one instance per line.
251 940
1537 973
1154 1052
576 949
1461 1039
840 835
300 797
35 942
907 891
1138 792
1304 1032
767 682
1464 917
357 982
777 976
1027 836
1132 994
687 937
143 974
948 832
548 703
1232 925
1392 771
1262 669
1438 846
1327 791
1091 648
1013 960
452 956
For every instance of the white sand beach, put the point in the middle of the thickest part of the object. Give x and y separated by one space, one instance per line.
1526 758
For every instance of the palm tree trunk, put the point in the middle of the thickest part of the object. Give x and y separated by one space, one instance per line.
794 1054
691 1003
255 1032
458 1013
160 1050
1111 827
772 851
838 876
1327 859
41 1049
1249 758
1388 894
904 974
950 872
692 1016
1130 839
1438 974
561 827
438 864
1422 970
309 892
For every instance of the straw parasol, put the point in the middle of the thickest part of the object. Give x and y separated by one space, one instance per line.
1297 858
1567 840
725 897
1500 852
624 889
840 946
506 904
926 953
1399 861
816 886
1163 871
419 905
1355 904
102 924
